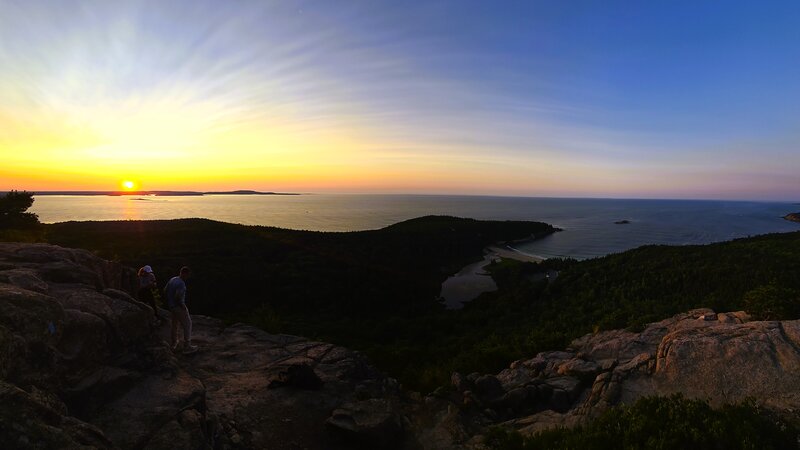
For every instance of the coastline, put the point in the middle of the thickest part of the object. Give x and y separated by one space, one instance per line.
472 280
508 252
505 249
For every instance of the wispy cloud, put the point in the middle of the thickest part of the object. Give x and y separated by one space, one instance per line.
430 91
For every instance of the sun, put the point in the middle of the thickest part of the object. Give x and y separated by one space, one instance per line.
128 185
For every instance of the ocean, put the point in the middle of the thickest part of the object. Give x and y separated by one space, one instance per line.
589 224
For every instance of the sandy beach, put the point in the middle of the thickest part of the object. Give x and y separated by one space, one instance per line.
510 253
468 283
473 280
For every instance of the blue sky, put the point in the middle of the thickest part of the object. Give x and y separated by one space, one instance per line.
607 99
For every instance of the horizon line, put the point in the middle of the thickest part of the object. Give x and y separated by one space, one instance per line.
167 192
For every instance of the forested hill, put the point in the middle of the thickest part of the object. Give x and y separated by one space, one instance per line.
392 271
375 290
625 290
653 282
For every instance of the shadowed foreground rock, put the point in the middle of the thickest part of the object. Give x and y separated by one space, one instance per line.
722 358
82 366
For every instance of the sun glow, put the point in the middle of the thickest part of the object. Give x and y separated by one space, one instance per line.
128 185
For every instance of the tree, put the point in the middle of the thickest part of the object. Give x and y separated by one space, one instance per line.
13 207
772 302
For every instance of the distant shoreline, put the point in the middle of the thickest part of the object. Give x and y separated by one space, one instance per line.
159 193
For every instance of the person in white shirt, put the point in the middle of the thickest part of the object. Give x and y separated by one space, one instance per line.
147 284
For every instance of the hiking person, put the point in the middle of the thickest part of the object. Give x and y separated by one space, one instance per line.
175 293
147 289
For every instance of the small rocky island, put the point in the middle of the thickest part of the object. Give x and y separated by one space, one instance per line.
622 222
793 217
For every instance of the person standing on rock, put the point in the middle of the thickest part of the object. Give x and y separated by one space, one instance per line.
175 293
147 289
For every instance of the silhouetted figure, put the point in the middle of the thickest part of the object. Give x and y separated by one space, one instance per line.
175 293
147 288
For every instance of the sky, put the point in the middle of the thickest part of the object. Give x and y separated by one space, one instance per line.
632 99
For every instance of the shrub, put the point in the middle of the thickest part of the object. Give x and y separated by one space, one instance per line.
772 302
663 423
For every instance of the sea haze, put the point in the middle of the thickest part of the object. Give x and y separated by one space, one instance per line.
589 224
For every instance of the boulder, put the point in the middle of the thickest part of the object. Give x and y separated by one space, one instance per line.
515 377
33 424
570 385
730 362
68 272
91 390
24 278
579 368
515 399
128 322
132 419
638 361
560 401
298 376
488 388
720 357
460 382
180 433
544 392
372 423
84 338
30 327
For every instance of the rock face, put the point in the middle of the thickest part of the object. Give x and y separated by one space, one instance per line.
722 358
81 365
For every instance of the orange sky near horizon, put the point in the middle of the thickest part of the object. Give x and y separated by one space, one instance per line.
172 147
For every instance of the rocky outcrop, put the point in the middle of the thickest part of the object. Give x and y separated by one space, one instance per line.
792 217
279 391
722 358
82 365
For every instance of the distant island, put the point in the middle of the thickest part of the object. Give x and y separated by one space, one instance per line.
793 217
622 222
163 193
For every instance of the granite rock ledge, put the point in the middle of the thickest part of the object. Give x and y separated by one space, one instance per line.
82 365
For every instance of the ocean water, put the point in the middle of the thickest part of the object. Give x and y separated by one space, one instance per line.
588 224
